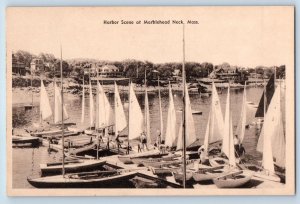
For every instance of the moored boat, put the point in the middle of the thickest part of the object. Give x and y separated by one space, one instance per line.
96 179
34 141
71 166
206 174
233 179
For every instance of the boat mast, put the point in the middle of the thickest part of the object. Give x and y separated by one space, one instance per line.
62 114
91 120
97 114
54 83
129 102
183 111
145 121
160 111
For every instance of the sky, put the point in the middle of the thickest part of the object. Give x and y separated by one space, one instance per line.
243 36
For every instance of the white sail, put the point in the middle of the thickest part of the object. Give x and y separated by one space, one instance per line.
92 117
226 134
179 137
58 106
170 136
189 120
228 142
207 133
240 131
147 118
83 104
136 122
120 118
45 108
217 121
231 156
105 112
272 141
160 113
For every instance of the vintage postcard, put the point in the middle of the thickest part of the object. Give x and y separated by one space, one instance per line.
119 101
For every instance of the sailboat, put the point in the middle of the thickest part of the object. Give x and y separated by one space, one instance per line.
240 130
272 142
90 131
170 136
136 127
234 177
214 133
215 125
120 118
80 128
45 113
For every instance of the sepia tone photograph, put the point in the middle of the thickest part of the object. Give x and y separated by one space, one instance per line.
150 101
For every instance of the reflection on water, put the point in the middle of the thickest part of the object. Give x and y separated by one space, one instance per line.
26 160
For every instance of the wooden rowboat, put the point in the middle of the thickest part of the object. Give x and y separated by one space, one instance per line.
208 173
25 140
71 166
233 179
218 161
97 179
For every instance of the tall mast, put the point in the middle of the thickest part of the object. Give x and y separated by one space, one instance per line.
145 104
97 114
183 115
54 83
129 102
62 114
160 111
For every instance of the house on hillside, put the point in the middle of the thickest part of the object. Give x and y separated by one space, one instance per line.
105 71
18 68
225 74
37 65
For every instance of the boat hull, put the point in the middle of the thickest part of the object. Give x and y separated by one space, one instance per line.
233 180
115 181
88 165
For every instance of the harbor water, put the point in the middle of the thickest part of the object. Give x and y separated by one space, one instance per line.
26 161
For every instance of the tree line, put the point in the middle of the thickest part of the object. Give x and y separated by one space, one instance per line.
137 69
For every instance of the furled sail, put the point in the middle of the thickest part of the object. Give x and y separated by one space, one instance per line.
45 108
136 122
170 136
120 118
105 112
58 106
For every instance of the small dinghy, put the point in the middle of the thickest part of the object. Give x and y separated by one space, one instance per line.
178 175
140 160
126 159
206 174
146 181
71 166
96 179
218 161
17 140
233 179
160 163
